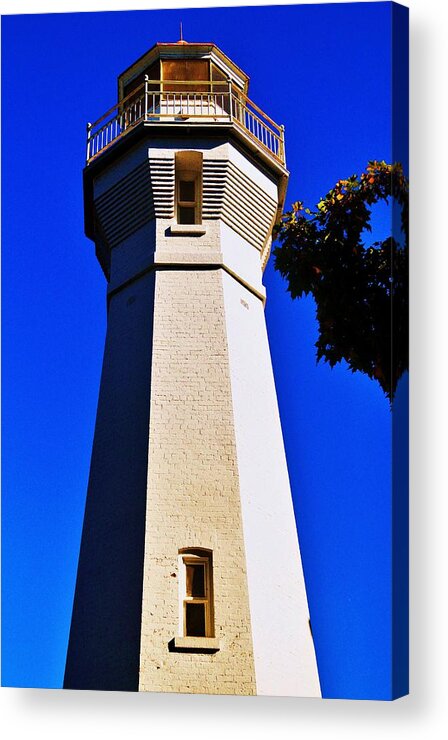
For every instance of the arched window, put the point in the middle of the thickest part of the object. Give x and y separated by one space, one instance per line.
188 167
196 593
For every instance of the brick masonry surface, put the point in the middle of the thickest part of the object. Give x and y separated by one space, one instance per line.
193 491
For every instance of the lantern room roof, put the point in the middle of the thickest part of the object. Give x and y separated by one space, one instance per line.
184 49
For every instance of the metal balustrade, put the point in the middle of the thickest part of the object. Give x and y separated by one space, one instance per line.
175 102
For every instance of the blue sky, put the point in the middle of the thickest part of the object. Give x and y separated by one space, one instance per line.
323 71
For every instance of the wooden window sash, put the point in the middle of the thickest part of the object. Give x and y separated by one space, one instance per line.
206 600
188 177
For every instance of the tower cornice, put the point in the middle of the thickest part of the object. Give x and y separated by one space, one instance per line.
154 132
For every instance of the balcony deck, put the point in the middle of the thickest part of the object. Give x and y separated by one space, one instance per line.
183 103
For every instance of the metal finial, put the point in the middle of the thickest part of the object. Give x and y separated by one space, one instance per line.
181 36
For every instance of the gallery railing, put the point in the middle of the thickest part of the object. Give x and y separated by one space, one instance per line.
173 101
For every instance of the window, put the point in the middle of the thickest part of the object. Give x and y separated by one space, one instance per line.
196 602
188 187
220 88
187 201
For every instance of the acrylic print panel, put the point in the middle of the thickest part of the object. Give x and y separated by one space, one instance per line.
227 515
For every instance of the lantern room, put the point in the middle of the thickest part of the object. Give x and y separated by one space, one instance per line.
172 67
187 83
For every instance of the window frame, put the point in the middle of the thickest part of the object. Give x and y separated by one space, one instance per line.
193 204
188 168
194 557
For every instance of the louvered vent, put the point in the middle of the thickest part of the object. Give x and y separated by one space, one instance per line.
145 193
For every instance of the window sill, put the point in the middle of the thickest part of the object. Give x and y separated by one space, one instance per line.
181 229
195 644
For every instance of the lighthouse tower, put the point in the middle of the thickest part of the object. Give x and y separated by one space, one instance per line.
189 575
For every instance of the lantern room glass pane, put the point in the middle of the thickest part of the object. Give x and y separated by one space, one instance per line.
176 71
153 72
220 88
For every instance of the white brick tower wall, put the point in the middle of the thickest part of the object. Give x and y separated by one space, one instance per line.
188 451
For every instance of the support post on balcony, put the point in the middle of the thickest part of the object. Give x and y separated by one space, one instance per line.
282 145
229 82
89 133
146 97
